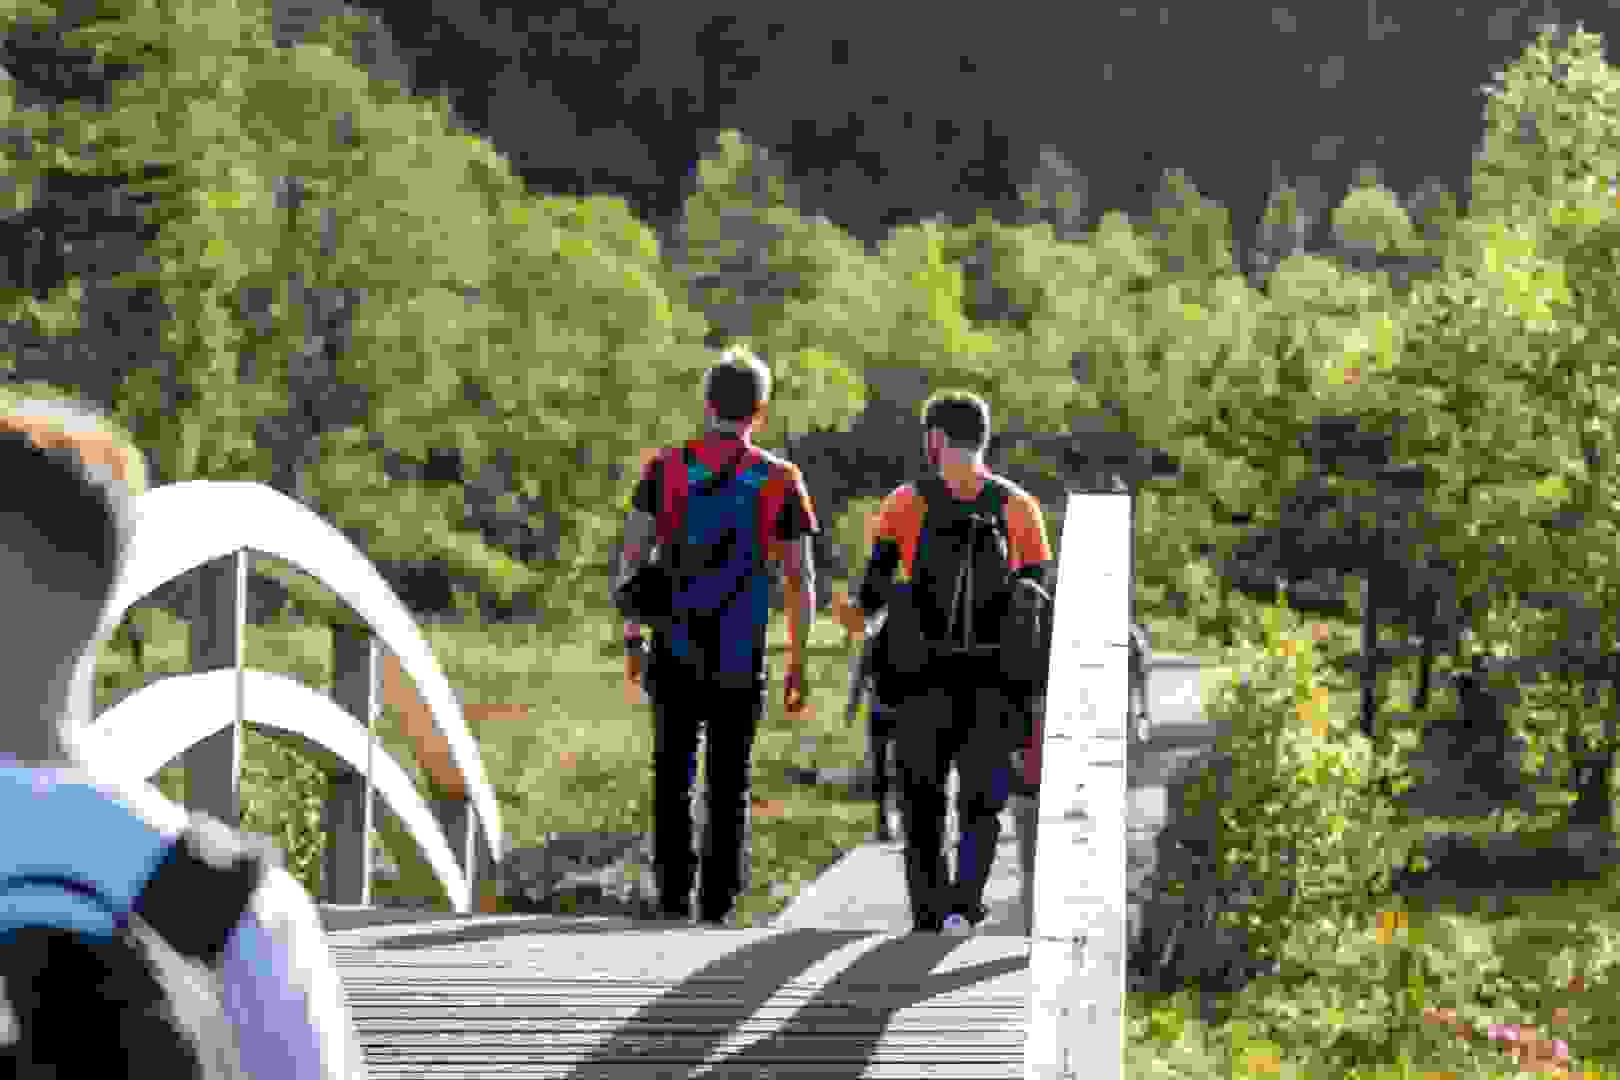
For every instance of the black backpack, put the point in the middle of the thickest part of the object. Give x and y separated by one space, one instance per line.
111 936
963 600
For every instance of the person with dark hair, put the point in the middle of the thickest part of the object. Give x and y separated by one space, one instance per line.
720 511
959 704
172 890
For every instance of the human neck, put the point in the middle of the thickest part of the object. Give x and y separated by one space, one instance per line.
963 474
729 428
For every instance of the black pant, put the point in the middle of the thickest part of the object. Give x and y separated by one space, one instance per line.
729 717
972 725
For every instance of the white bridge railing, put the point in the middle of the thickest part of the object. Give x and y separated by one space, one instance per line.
210 528
1078 947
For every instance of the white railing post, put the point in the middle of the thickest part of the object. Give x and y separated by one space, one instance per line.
350 805
218 619
1077 949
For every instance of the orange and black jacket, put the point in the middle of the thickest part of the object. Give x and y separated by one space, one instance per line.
896 531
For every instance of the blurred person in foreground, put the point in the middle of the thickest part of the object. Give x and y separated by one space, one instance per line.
187 888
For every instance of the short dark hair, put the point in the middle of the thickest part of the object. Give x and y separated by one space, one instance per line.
964 417
72 480
737 385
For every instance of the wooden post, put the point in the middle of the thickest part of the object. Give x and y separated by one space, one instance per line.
453 810
1420 696
1077 952
1369 654
459 820
218 617
350 804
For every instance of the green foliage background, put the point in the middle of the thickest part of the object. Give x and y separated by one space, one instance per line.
555 337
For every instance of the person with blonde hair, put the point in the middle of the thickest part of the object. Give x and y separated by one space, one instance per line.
134 939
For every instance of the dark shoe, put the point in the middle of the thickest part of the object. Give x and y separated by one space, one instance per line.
672 915
927 925
673 921
972 914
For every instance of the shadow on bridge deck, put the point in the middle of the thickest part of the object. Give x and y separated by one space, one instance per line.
512 996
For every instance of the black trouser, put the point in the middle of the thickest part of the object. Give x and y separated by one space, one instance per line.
729 718
880 745
971 725
879 733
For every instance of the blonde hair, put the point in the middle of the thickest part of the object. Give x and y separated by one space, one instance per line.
108 465
95 441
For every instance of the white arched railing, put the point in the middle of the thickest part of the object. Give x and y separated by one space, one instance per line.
183 527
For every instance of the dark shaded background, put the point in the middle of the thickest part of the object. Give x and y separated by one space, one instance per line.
890 112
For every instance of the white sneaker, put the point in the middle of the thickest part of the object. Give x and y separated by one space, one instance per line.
957 926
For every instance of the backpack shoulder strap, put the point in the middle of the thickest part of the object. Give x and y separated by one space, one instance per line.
676 467
200 889
672 482
936 497
1000 494
723 476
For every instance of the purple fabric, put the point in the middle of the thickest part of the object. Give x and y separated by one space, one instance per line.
271 1014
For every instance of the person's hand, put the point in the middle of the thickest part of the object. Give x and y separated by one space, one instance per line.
635 666
794 698
850 617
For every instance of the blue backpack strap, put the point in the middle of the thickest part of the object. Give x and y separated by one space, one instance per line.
99 861
196 896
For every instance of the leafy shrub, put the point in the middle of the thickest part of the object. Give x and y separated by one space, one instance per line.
283 791
1299 817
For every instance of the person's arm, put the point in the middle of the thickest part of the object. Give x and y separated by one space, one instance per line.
640 531
883 563
282 991
1031 554
881 567
799 572
796 528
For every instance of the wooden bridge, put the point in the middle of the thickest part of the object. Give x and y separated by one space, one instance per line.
517 996
833 989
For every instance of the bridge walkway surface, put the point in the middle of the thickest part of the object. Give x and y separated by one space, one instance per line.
834 988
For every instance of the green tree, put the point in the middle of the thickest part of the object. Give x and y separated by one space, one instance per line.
1552 126
1371 219
1057 194
1192 235
476 317
797 289
1434 217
